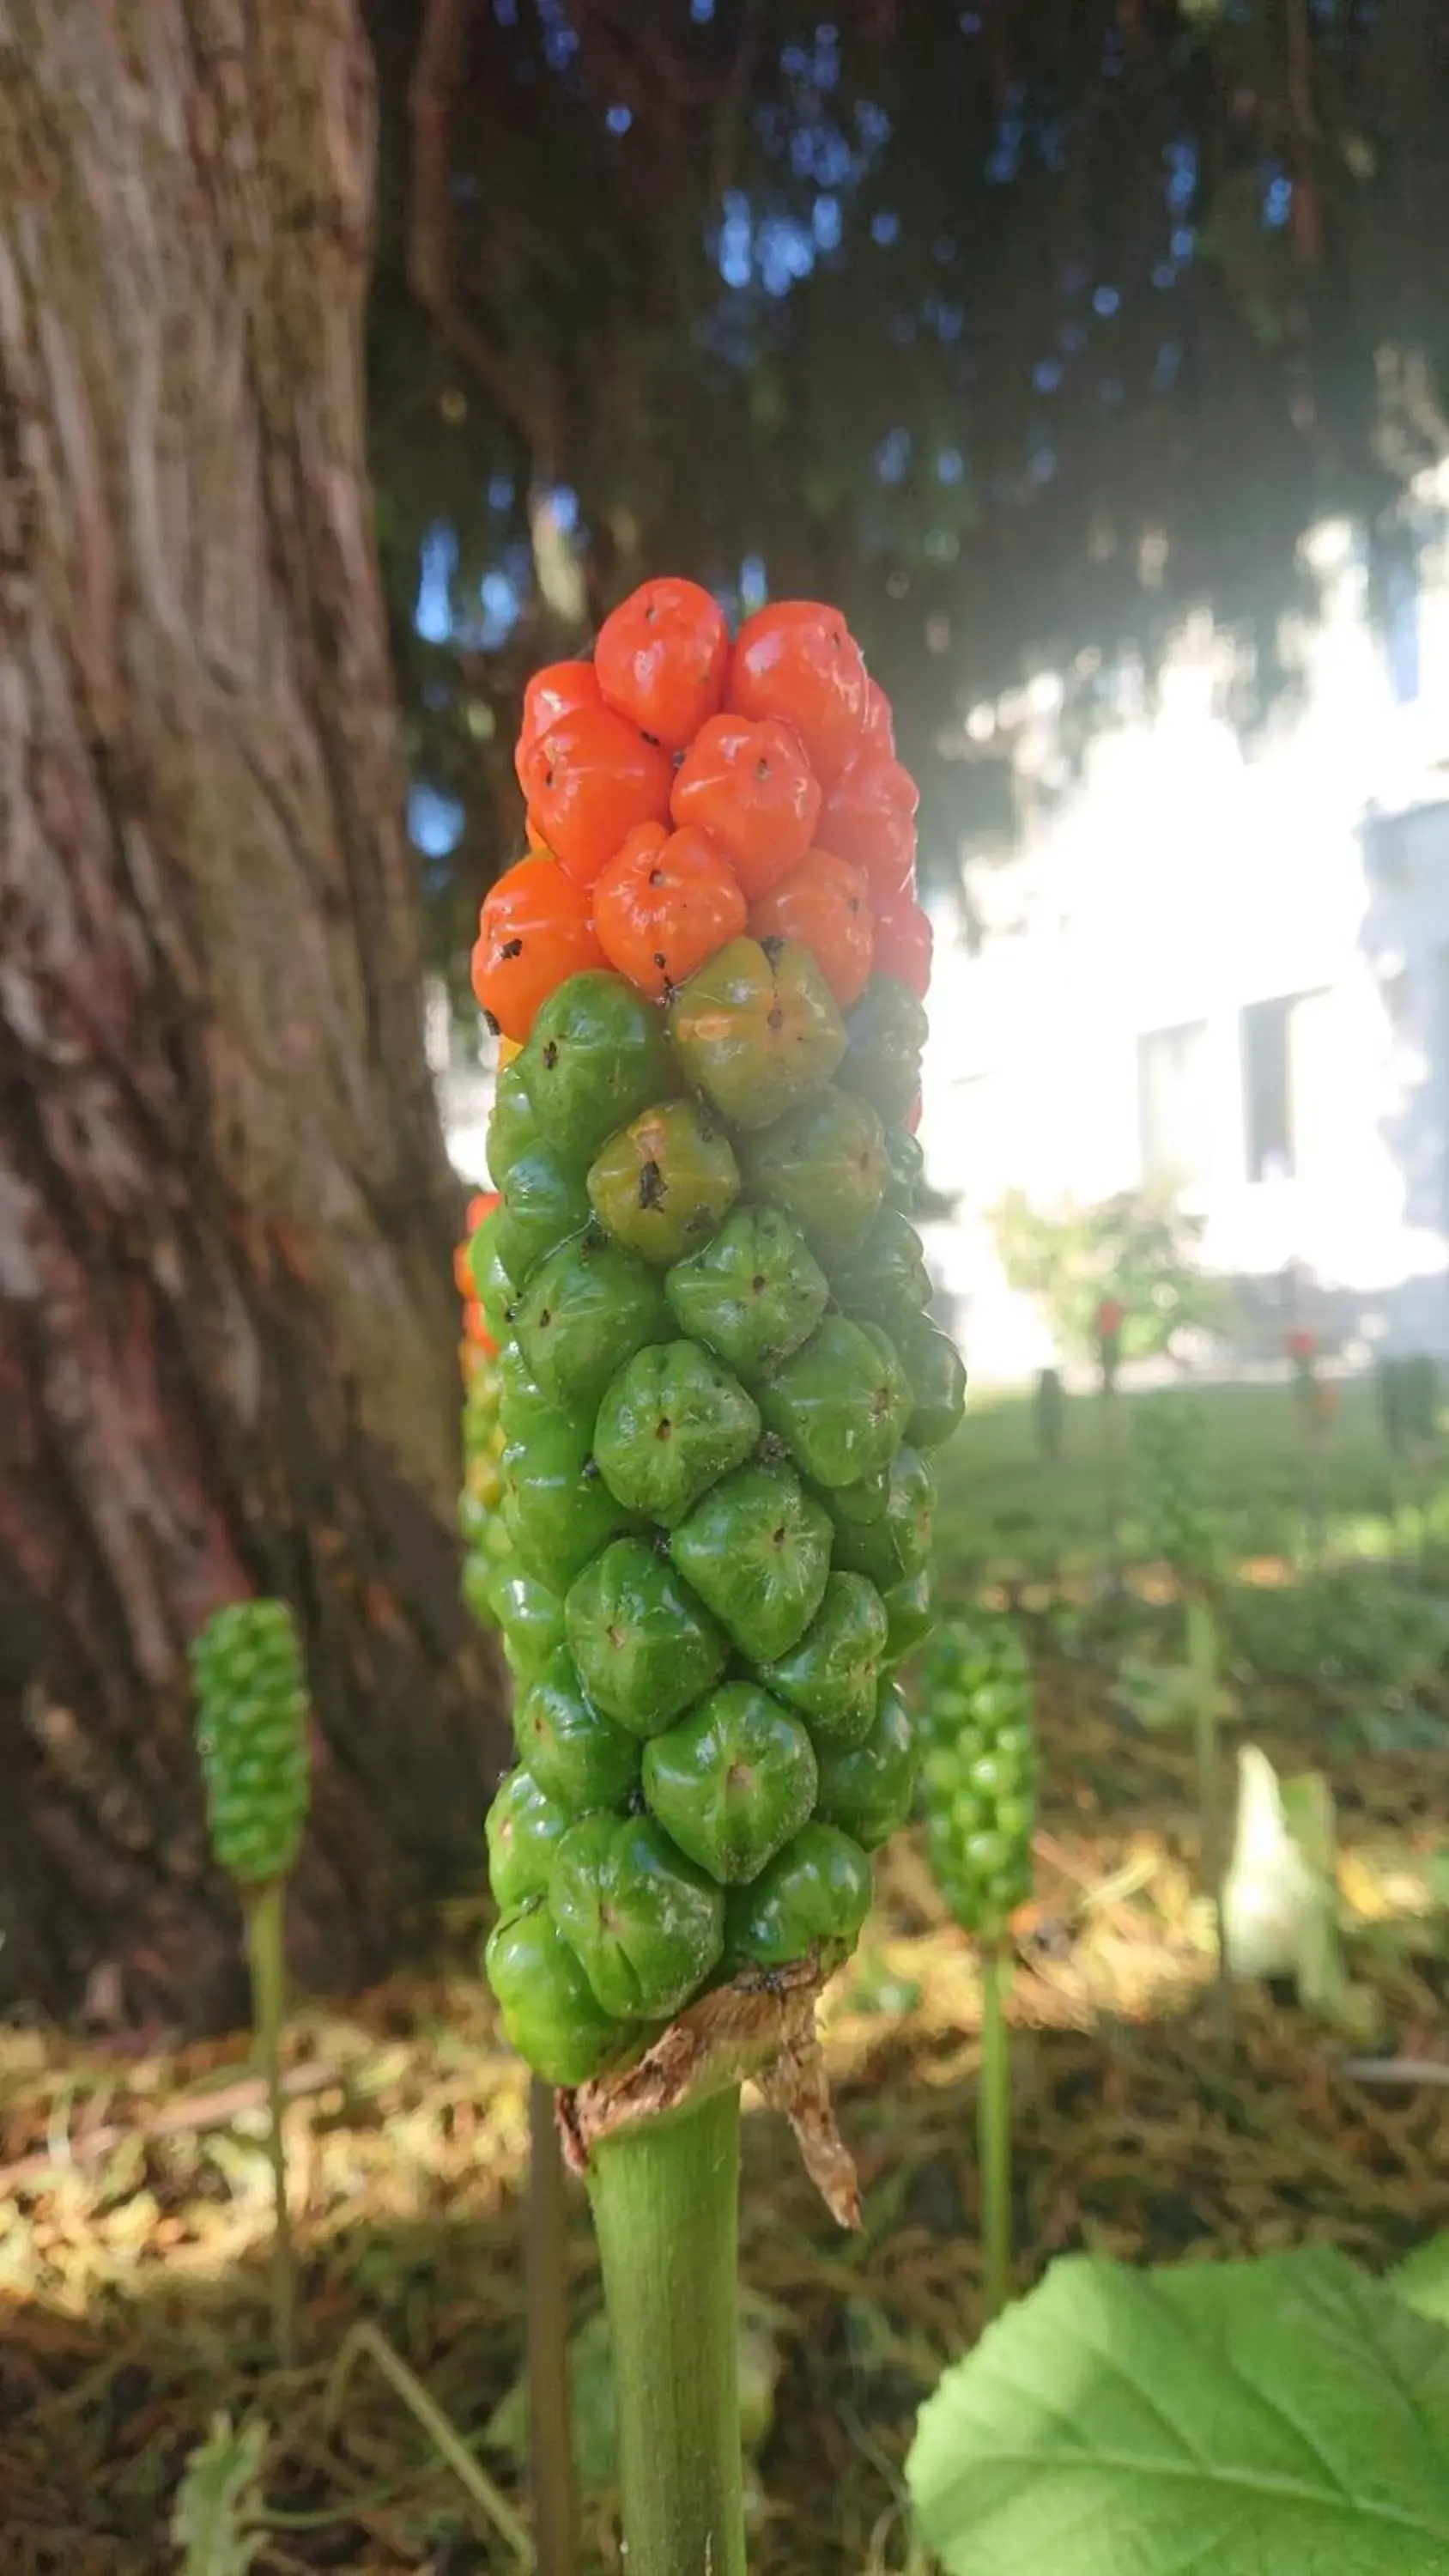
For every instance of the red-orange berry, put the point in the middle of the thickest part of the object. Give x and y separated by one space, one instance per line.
560 689
823 903
903 942
661 659
533 933
868 817
798 661
750 786
665 904
877 732
589 781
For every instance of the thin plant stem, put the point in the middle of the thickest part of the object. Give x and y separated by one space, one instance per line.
1202 1656
665 2195
1111 1431
493 2507
265 1953
993 2117
551 2468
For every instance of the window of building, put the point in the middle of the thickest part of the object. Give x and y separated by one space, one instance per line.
1288 1086
1174 1104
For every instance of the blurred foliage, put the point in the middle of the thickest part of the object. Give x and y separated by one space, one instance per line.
1015 328
1138 1247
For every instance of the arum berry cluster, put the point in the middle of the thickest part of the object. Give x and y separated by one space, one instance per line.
978 1776
251 1733
719 1385
1174 1491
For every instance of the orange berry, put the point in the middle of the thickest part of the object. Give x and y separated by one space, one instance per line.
462 1275
799 662
560 689
533 933
877 733
903 945
823 904
481 1204
476 1330
589 781
661 659
665 904
750 786
868 817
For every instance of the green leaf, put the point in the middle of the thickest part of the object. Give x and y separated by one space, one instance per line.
1278 2418
219 2518
1422 2281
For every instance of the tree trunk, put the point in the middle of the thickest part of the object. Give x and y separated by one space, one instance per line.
227 1327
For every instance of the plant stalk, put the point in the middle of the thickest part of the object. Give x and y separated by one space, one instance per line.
555 2515
666 2211
993 2120
264 1914
1202 1656
1110 1418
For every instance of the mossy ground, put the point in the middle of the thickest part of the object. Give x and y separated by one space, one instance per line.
134 2201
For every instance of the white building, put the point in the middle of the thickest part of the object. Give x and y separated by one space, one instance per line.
1227 966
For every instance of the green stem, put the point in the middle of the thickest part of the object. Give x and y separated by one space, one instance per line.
555 2516
1202 1656
666 2211
1112 1486
264 1913
494 2510
993 2119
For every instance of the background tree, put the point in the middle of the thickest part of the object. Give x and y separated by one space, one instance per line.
1018 328
227 1328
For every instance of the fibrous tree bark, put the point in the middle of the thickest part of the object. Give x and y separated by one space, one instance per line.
227 1329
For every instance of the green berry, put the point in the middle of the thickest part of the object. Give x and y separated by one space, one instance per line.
644 1923
732 1781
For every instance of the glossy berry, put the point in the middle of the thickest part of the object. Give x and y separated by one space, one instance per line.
661 659
732 1781
822 905
524 1830
597 1055
751 787
645 1924
533 932
903 941
590 781
757 1029
831 1677
664 905
798 662
825 1165
661 1185
869 817
884 1037
642 1645
814 1895
560 689
757 1551
877 732
672 1422
840 1403
867 1789
754 1293
550 2011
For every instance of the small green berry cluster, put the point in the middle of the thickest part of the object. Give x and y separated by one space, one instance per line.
1174 1490
978 1778
252 1737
